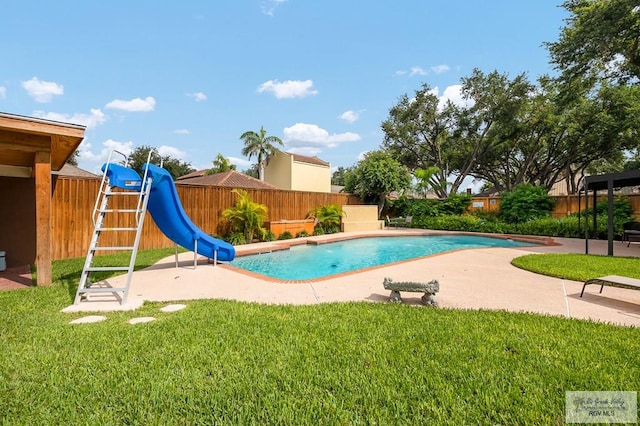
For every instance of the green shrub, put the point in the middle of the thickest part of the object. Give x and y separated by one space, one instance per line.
486 215
456 204
449 223
286 235
246 216
318 230
235 238
268 235
552 227
467 223
404 206
327 217
302 234
332 229
621 208
524 203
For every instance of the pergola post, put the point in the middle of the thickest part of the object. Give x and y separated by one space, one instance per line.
610 217
42 174
586 216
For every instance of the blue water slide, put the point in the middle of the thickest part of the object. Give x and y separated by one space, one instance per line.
167 211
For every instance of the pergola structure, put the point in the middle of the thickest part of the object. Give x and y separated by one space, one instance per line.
30 149
608 181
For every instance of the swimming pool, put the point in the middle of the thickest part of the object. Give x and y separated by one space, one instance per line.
305 262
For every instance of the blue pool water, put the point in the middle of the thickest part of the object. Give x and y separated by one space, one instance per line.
306 262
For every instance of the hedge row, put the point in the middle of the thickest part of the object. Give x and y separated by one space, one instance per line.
569 227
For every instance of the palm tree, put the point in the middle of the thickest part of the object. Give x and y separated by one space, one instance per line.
246 216
261 146
327 217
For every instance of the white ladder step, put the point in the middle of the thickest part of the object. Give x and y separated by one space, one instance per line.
107 268
128 193
102 289
120 211
116 229
113 248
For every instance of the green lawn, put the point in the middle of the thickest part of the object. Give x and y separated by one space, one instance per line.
224 362
578 267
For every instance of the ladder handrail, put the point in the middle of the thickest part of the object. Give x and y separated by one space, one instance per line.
146 183
103 184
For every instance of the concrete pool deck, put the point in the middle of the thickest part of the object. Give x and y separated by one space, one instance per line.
469 279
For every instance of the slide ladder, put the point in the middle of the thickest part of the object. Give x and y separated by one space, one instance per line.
129 222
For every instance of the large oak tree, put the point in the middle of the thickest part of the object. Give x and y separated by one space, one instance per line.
601 40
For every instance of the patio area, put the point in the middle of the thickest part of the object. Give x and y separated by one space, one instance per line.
469 279
16 277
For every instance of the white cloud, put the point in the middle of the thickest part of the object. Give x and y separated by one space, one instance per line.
3 92
308 151
453 93
350 116
241 163
182 132
417 71
197 96
92 162
171 151
42 91
360 156
95 118
134 105
288 89
268 7
436 69
439 69
303 135
434 91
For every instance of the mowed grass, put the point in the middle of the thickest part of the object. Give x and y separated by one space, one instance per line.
225 362
578 267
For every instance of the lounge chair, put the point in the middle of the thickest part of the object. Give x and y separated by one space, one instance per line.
394 221
408 220
631 232
613 281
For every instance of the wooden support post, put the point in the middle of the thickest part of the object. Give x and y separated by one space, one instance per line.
42 174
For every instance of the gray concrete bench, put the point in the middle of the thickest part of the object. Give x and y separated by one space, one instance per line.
429 289
613 281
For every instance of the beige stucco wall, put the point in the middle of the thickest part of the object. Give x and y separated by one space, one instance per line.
285 173
361 218
310 177
278 171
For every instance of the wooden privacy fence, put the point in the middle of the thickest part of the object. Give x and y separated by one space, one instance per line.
564 204
74 199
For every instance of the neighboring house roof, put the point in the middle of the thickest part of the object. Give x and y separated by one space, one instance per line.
306 159
232 179
197 173
489 192
337 188
72 171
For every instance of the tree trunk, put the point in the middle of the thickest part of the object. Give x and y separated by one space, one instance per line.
381 200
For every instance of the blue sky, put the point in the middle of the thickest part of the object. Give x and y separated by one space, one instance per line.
190 77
